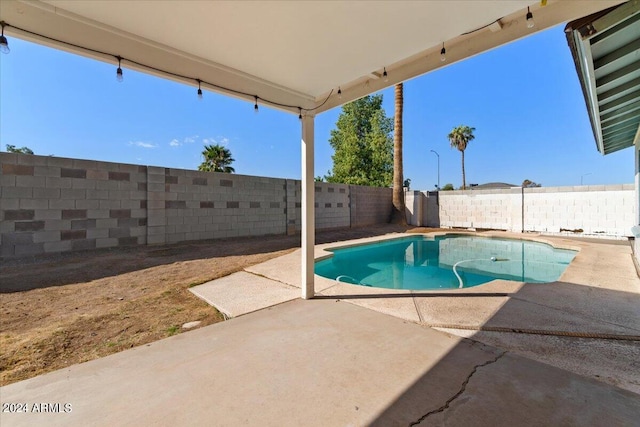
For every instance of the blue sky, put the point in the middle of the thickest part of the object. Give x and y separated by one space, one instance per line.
524 100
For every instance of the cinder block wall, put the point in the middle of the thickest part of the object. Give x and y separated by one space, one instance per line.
370 205
606 210
51 204
596 209
193 205
332 205
481 209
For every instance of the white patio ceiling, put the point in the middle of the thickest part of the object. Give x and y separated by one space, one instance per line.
293 53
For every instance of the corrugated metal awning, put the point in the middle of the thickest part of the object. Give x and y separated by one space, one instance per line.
606 51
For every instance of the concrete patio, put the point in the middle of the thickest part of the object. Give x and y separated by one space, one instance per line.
319 362
565 353
588 322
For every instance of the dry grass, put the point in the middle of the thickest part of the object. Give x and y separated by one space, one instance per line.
84 306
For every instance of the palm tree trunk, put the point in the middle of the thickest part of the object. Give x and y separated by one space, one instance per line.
464 182
398 215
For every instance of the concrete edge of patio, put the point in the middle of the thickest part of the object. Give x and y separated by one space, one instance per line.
242 292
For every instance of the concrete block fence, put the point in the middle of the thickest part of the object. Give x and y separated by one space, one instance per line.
52 204
597 210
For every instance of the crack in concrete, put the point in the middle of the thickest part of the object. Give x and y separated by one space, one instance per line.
463 388
415 305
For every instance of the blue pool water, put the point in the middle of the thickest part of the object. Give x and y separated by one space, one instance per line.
427 263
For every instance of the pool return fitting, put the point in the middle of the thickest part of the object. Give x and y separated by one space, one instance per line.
356 282
492 259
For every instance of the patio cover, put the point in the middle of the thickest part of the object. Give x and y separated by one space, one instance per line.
606 51
291 55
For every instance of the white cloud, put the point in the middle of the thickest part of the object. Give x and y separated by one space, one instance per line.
191 139
142 144
174 143
224 141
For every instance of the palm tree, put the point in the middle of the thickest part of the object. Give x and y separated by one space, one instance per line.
216 159
398 216
460 138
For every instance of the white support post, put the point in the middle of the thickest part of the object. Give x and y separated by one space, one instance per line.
634 229
308 208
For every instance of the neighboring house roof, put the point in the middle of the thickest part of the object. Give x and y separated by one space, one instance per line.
492 185
606 51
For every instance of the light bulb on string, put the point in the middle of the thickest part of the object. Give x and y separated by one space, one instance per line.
339 93
119 76
299 113
530 22
443 53
255 107
199 90
385 76
4 44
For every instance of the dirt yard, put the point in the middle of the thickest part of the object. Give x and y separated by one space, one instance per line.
66 309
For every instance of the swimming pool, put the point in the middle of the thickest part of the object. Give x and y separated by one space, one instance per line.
444 262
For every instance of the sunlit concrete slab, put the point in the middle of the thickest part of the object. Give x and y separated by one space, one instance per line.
599 304
616 362
458 309
241 293
285 269
398 303
524 315
318 363
538 313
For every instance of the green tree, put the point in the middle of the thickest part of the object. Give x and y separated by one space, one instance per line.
398 216
22 150
216 159
447 187
460 138
362 144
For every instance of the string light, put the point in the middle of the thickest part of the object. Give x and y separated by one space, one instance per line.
299 113
119 76
4 44
530 22
199 90
339 93
385 76
443 53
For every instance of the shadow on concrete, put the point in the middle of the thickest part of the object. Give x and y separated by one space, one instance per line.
512 378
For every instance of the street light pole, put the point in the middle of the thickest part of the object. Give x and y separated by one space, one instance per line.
434 152
583 177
